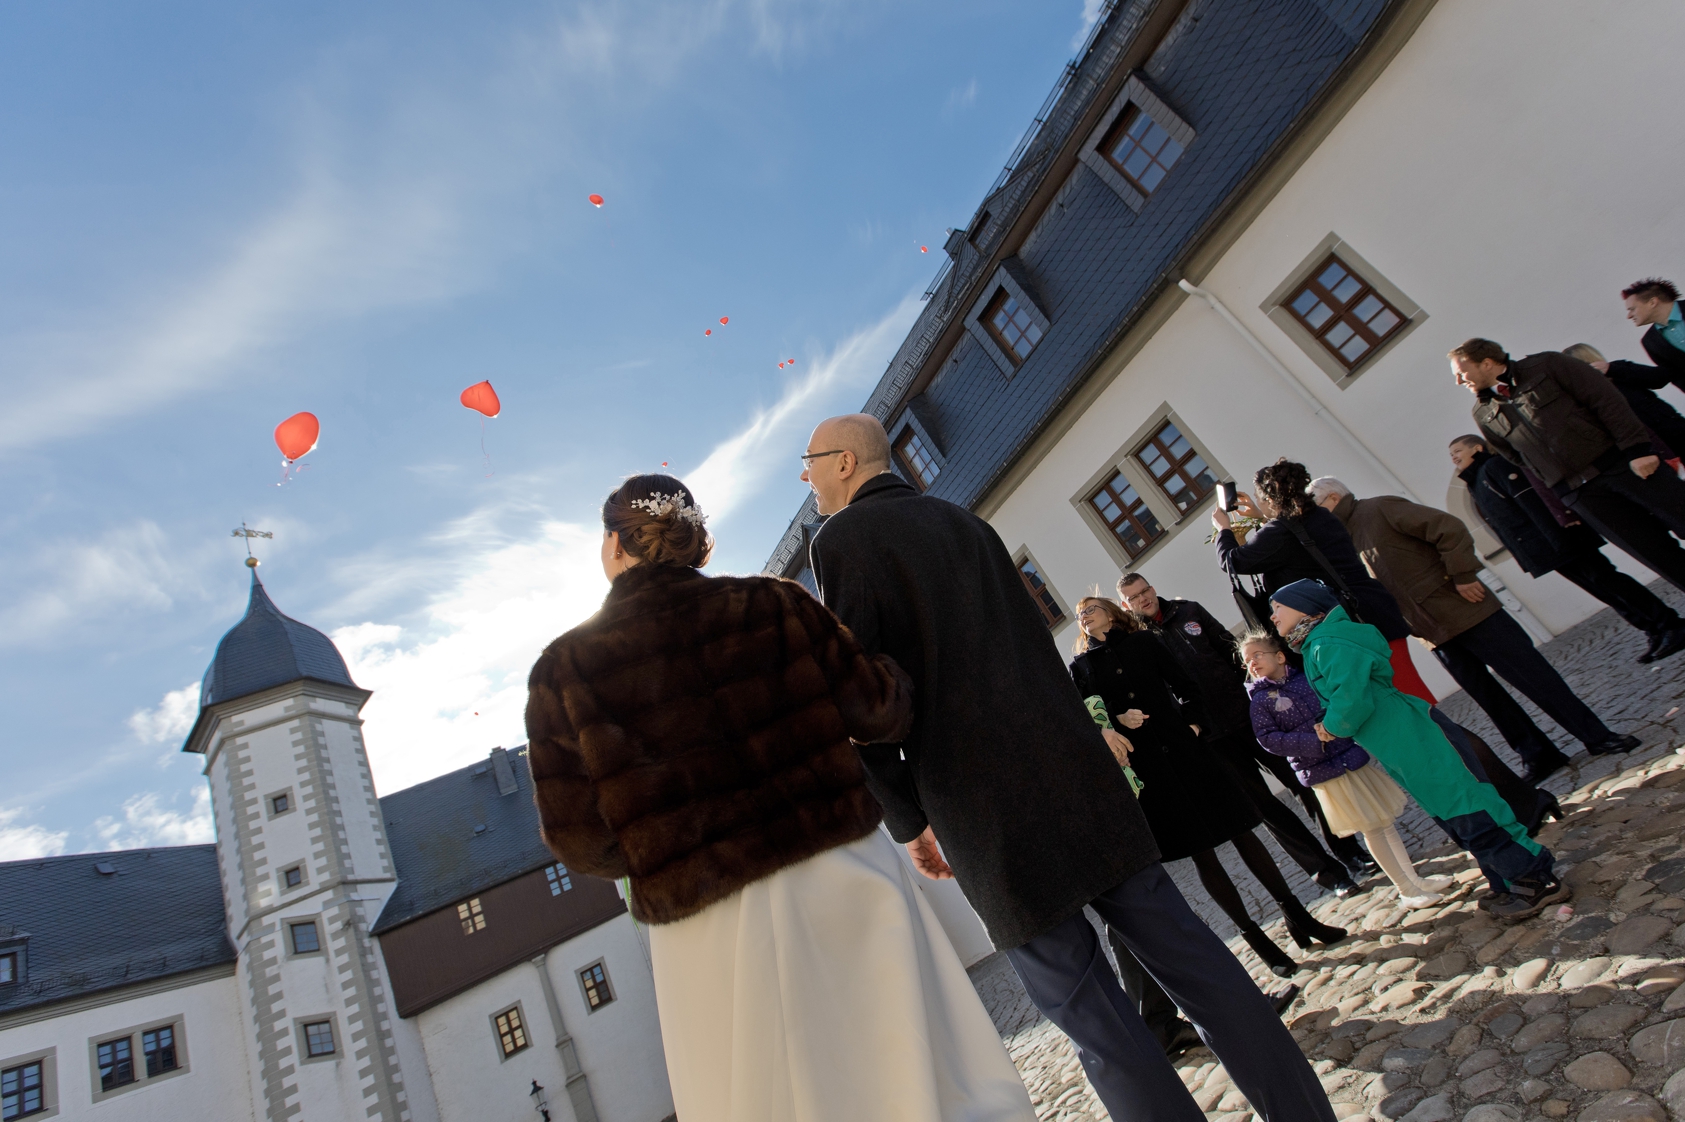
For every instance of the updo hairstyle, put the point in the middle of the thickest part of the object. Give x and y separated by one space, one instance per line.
658 522
1285 484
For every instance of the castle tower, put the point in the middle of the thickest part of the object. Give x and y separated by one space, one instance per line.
305 867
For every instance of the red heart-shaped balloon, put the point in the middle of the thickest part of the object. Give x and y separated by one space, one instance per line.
596 200
482 398
296 436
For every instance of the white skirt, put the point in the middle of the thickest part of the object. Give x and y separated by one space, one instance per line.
1360 801
827 992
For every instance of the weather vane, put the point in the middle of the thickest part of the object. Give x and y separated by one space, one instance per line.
248 533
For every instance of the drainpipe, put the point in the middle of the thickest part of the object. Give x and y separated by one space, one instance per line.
579 1089
1506 596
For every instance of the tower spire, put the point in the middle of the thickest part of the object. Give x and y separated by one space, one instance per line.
248 533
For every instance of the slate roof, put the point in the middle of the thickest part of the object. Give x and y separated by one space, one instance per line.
1242 73
159 912
267 649
439 857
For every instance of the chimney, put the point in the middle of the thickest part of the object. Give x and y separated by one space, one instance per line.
505 772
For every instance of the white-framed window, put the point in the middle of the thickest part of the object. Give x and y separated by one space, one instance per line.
1137 144
1341 311
125 1059
1007 321
560 879
1149 488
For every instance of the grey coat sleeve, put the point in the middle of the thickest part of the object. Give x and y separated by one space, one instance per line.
845 587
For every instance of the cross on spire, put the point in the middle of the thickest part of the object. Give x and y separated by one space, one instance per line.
248 533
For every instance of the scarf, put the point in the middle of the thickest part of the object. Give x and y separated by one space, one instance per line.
1301 631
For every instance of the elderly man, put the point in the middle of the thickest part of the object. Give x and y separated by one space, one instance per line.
1426 558
1207 651
1509 504
1562 420
1006 768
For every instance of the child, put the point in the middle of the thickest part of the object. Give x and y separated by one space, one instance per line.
1356 795
1348 665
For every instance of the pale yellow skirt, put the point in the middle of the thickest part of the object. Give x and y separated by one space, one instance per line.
1365 799
828 992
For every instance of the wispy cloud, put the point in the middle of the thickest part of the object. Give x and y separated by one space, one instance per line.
170 719
146 823
962 97
21 841
1090 15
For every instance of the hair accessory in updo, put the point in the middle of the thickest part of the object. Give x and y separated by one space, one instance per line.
660 506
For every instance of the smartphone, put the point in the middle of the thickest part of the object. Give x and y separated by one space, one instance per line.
1228 496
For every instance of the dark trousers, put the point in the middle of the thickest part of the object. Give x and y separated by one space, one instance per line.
1499 642
1631 600
1284 826
1065 973
1636 514
1527 803
1147 996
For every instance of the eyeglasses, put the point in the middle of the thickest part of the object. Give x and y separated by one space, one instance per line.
809 457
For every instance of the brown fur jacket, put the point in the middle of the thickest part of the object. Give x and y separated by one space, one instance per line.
694 735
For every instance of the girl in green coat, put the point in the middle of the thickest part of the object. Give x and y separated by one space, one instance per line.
1349 665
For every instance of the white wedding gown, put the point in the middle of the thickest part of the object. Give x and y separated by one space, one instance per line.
827 992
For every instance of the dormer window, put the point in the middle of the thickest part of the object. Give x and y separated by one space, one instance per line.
473 919
1136 144
916 460
1012 325
8 968
1141 149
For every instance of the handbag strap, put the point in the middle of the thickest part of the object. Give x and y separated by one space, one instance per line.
1348 598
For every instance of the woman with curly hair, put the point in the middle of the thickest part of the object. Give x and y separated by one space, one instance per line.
697 736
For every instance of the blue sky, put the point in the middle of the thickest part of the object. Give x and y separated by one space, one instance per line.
214 216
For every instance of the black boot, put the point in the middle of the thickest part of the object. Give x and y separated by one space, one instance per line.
1303 927
1548 809
1274 957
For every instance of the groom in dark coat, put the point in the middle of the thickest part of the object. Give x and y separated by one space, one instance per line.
1007 771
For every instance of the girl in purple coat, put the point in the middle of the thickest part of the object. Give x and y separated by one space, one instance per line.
1356 794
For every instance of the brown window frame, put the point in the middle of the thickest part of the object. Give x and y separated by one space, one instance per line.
1190 481
908 460
598 990
1148 535
1051 613
1125 121
161 1057
997 303
512 1034
119 1070
294 927
311 1042
1344 312
22 1087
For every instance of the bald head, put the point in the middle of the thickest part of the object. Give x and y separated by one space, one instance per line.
843 453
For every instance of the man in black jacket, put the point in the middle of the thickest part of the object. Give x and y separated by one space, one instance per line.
1654 303
1207 652
1504 495
1563 420
1035 818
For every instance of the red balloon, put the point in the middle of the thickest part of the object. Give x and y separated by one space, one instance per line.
710 331
596 200
725 319
924 249
482 398
296 436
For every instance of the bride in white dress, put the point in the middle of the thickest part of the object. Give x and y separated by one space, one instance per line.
694 736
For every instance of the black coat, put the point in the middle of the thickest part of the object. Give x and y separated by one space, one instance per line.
1275 554
1515 512
1638 384
1209 654
1003 761
1665 355
1190 798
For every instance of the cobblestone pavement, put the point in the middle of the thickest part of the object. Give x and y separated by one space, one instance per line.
1443 1014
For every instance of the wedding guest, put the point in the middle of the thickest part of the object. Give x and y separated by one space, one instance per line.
695 736
1035 818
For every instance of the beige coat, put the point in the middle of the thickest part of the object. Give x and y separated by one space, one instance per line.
1421 555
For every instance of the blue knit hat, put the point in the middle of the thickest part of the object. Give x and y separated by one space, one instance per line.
1309 596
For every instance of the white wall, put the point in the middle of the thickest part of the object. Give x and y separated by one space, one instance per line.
1493 173
213 1086
619 1046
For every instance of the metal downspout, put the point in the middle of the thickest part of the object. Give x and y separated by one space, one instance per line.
1488 576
